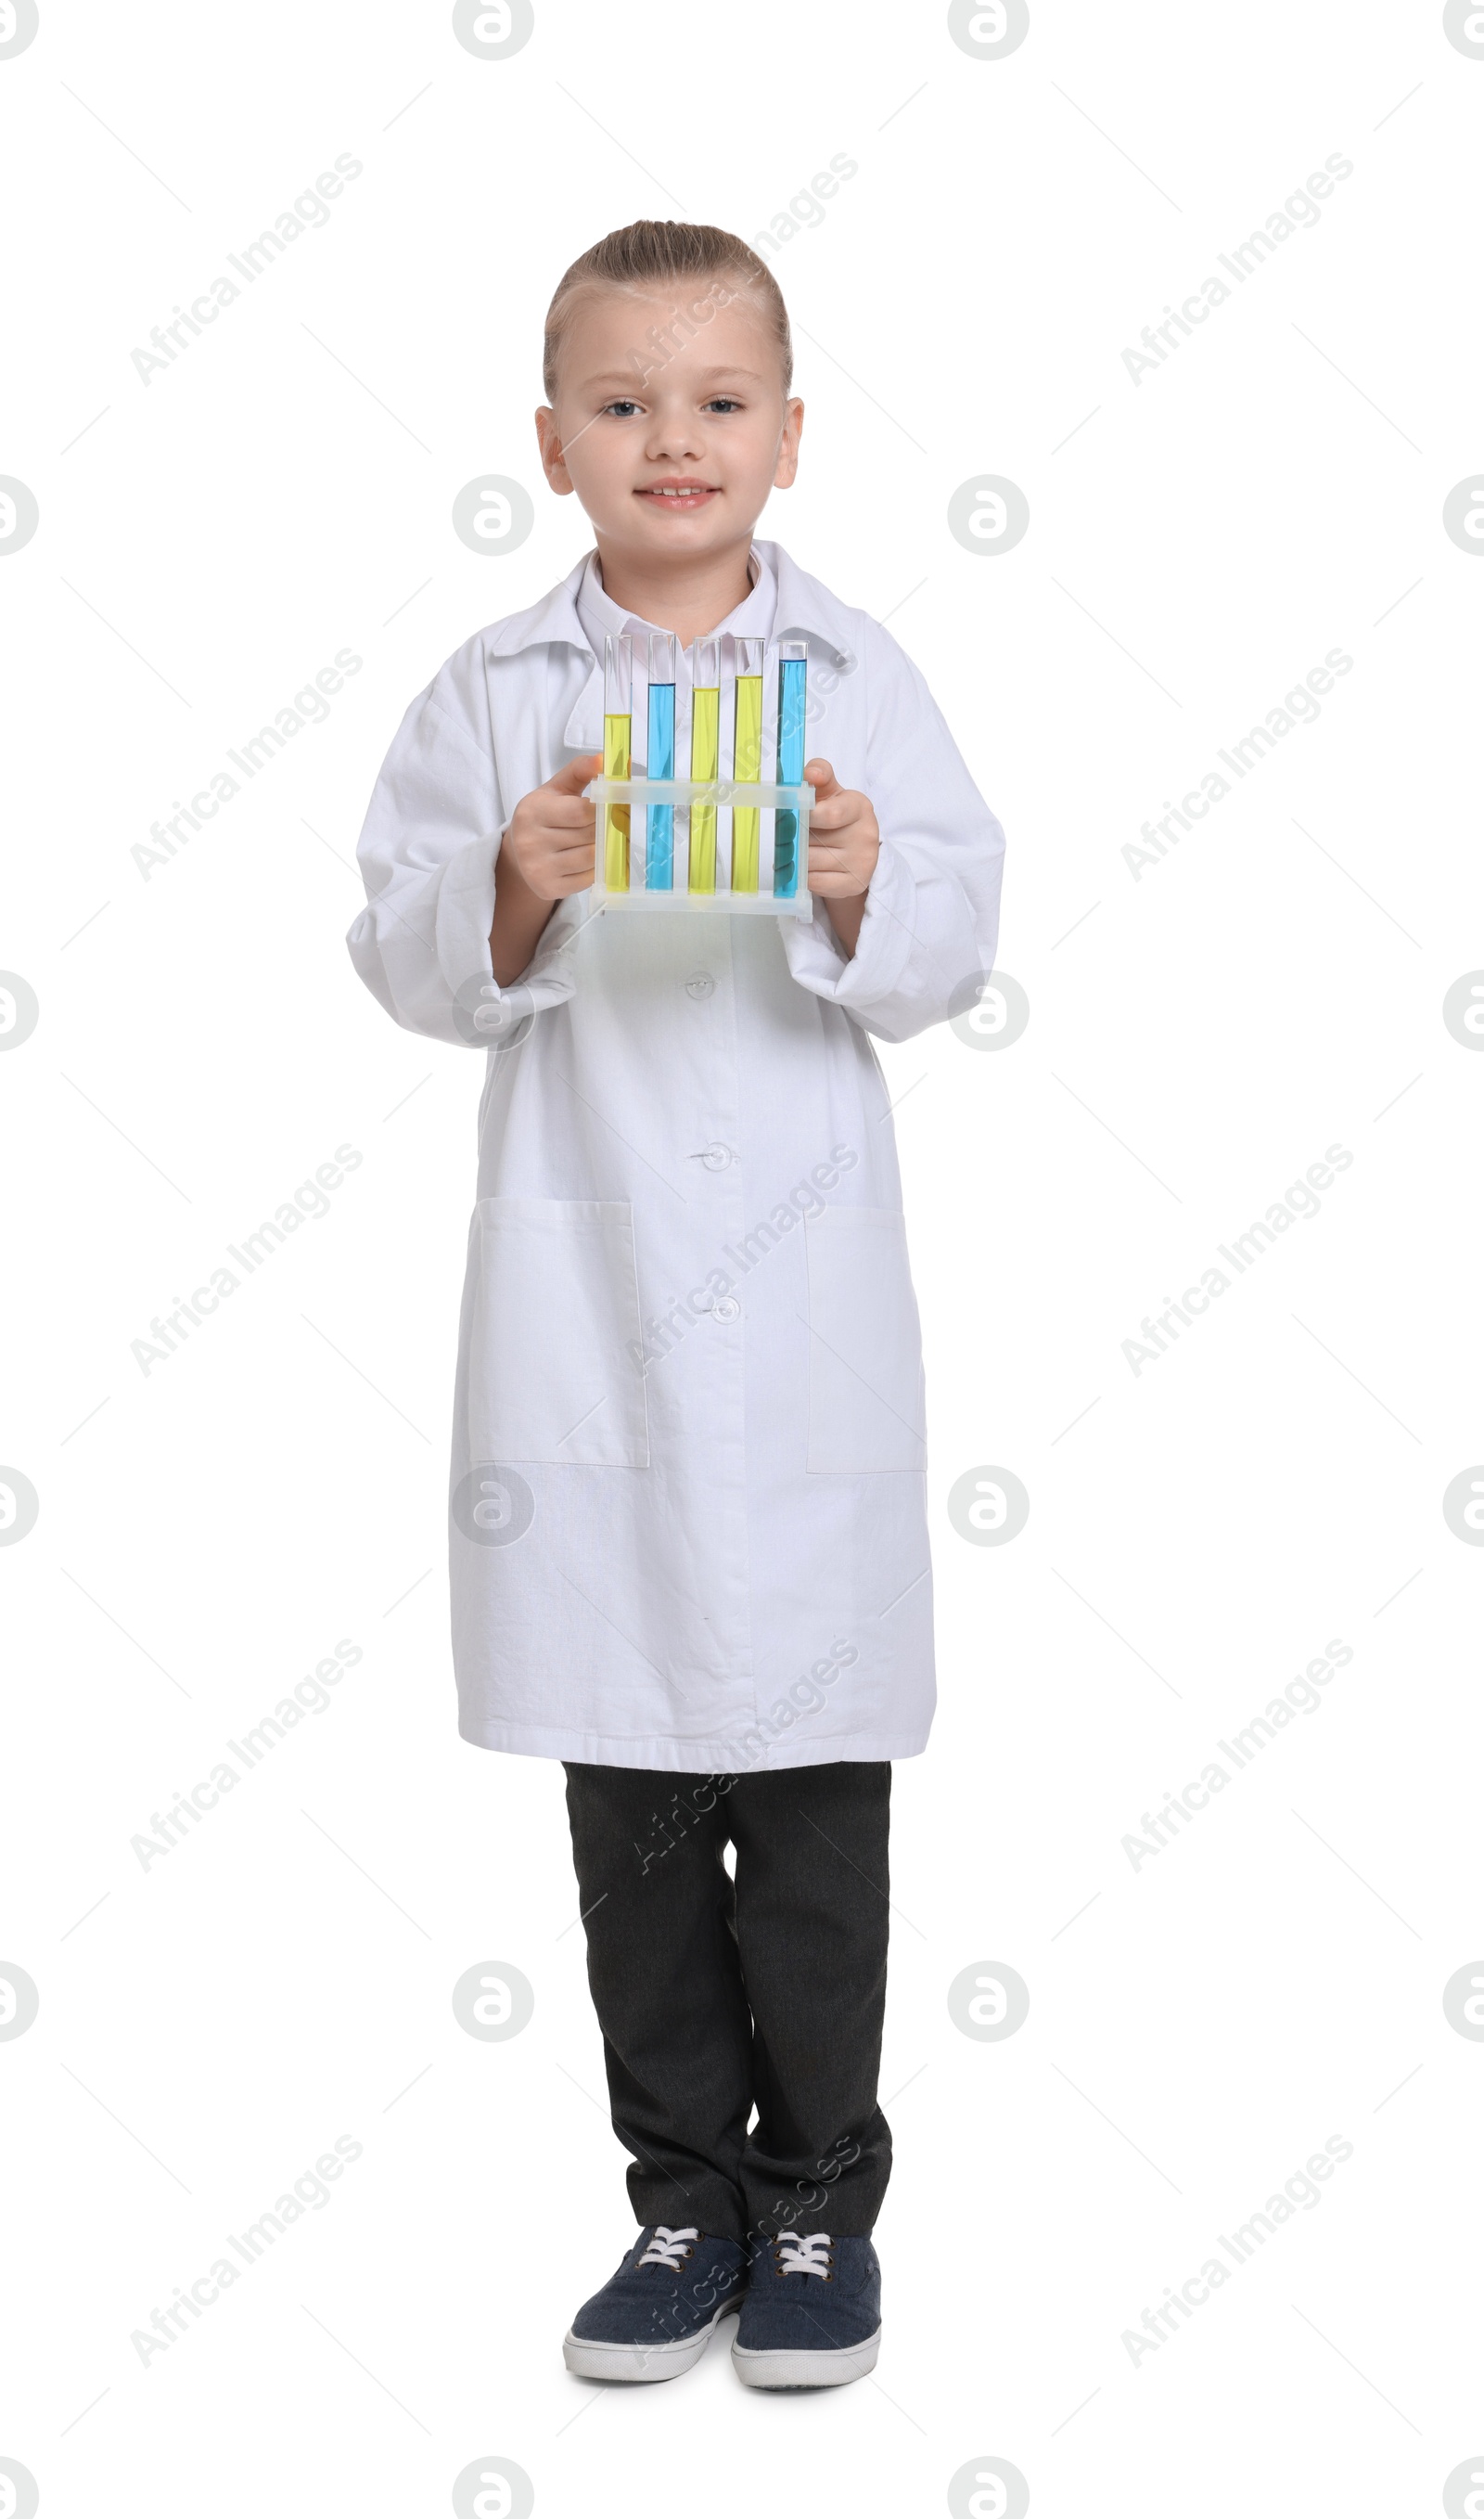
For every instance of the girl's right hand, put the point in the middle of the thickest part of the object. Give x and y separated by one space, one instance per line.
549 841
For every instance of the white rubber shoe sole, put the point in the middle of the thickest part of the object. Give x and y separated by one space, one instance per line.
643 2362
807 2369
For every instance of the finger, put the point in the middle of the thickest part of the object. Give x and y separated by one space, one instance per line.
821 777
555 887
574 778
567 817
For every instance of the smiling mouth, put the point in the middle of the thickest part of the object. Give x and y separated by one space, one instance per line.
681 495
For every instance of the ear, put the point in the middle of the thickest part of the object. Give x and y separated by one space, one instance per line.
788 446
553 462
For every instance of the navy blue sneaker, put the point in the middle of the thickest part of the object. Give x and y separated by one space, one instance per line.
811 2317
657 2314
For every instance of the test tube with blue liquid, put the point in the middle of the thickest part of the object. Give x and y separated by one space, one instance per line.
659 848
793 679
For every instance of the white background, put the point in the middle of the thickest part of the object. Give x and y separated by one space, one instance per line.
1198 1038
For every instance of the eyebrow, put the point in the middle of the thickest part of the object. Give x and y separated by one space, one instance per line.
708 375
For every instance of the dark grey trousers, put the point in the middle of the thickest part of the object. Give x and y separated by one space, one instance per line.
720 1998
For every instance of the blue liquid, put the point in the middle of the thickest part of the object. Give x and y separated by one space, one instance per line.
792 678
659 835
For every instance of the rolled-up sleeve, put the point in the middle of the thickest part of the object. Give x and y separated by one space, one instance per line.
931 915
428 853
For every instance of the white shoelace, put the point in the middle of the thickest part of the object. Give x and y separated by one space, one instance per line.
668 2248
809 2256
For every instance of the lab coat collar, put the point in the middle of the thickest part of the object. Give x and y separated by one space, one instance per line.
806 611
809 610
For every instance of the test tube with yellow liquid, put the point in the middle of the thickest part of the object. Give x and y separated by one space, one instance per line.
705 756
747 762
618 746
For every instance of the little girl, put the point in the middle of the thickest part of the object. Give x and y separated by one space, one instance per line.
689 1548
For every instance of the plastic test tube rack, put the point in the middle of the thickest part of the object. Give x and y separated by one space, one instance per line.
685 844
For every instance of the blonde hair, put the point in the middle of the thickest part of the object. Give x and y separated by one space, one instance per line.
663 253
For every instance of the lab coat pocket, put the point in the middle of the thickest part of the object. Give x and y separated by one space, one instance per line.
865 1353
554 1348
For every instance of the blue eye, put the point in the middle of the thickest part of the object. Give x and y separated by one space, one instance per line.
620 409
723 402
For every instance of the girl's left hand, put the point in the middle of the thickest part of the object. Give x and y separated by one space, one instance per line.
843 840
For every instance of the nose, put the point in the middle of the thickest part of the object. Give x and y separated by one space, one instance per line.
674 435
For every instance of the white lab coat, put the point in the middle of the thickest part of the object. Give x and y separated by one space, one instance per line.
688 1526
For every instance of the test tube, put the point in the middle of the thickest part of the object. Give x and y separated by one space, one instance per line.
747 762
659 850
705 756
793 674
618 735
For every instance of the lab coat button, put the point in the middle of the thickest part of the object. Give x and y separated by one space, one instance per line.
700 985
726 1309
717 1158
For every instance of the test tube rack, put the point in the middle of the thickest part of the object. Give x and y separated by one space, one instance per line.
683 845
685 796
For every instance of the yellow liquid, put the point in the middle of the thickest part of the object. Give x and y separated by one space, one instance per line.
617 732
747 765
705 763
